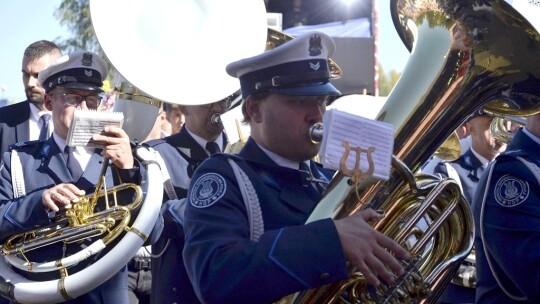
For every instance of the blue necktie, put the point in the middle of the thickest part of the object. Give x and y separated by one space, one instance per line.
44 120
72 164
212 147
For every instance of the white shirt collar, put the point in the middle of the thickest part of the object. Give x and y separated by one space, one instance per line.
35 112
282 161
82 154
60 142
202 142
484 161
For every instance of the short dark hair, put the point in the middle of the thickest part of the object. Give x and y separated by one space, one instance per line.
40 48
169 107
256 97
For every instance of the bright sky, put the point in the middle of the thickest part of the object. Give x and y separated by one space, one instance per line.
25 21
21 23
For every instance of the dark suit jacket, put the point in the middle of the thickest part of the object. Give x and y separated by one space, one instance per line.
14 125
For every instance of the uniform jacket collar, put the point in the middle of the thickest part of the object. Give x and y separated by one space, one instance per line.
186 144
469 161
52 160
287 181
522 141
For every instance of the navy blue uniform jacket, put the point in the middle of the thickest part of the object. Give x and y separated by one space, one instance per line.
43 167
14 125
508 226
170 283
224 265
469 168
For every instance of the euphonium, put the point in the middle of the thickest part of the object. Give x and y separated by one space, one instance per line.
459 62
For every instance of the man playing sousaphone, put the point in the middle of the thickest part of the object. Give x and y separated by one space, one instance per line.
201 136
53 175
246 238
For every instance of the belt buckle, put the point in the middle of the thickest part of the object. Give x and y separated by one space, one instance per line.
142 263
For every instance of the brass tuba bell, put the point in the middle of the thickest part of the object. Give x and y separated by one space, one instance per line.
459 62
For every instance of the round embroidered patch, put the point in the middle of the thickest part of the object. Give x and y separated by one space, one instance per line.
511 191
209 188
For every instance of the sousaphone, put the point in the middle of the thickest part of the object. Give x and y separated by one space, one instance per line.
165 50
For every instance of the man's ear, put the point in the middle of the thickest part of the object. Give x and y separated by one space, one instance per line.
48 102
253 109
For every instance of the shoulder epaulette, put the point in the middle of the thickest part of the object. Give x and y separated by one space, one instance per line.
29 143
512 154
154 142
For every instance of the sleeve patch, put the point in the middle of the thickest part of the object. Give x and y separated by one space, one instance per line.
207 190
511 191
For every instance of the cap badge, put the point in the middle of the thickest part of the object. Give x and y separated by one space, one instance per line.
315 47
86 59
315 66
88 73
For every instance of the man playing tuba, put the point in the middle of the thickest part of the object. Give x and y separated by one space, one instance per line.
246 241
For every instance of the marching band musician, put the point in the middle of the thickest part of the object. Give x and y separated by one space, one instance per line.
182 153
467 170
55 177
246 238
506 214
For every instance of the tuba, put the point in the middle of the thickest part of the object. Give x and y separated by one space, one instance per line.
458 64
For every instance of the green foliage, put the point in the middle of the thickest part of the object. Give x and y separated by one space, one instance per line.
75 15
387 81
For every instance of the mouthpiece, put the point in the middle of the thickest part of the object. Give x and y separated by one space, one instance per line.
315 133
215 119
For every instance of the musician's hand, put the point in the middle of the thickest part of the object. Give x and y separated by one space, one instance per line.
371 251
117 147
59 196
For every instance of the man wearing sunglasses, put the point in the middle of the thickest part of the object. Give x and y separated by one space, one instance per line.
201 136
56 175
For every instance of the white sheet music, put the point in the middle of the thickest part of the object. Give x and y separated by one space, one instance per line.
86 123
359 132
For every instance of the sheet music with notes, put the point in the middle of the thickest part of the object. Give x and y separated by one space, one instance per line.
361 134
86 123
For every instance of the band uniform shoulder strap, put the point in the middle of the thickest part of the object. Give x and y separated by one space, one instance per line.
17 175
251 201
167 184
